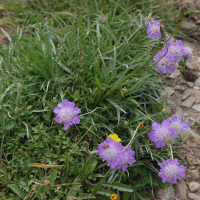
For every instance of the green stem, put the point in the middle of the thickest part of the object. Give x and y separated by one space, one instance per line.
145 115
132 138
36 193
171 152
91 111
162 11
84 167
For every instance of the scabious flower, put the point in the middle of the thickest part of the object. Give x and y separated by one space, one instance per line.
171 170
111 151
165 64
175 50
188 52
160 133
153 30
114 137
179 125
66 114
128 159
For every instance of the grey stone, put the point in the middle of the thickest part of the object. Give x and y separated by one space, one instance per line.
198 74
197 67
183 81
177 87
179 111
176 73
198 59
170 92
186 95
196 88
193 175
185 115
188 102
190 84
197 82
196 107
182 188
165 195
182 89
197 101
196 172
194 186
193 196
190 65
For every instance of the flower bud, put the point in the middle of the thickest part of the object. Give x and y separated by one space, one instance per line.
148 19
126 123
102 19
133 22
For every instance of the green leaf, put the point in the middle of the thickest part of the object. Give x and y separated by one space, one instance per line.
98 95
18 191
105 192
97 186
126 195
141 196
67 163
119 186
87 196
76 169
52 177
88 167
116 105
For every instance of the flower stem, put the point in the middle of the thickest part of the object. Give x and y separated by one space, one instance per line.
145 115
132 138
171 152
91 111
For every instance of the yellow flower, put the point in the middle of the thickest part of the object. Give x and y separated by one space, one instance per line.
125 90
29 107
163 110
47 182
141 125
88 190
114 137
114 197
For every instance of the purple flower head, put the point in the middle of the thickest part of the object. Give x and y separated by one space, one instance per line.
171 170
111 151
175 50
188 52
65 113
179 125
160 133
128 159
165 64
153 30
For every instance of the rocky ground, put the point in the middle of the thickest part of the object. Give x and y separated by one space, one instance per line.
183 95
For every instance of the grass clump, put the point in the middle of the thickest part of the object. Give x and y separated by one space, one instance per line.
99 59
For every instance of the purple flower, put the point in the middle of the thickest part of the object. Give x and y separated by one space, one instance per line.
153 30
160 133
128 159
179 125
165 64
171 170
175 50
188 52
111 151
66 112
